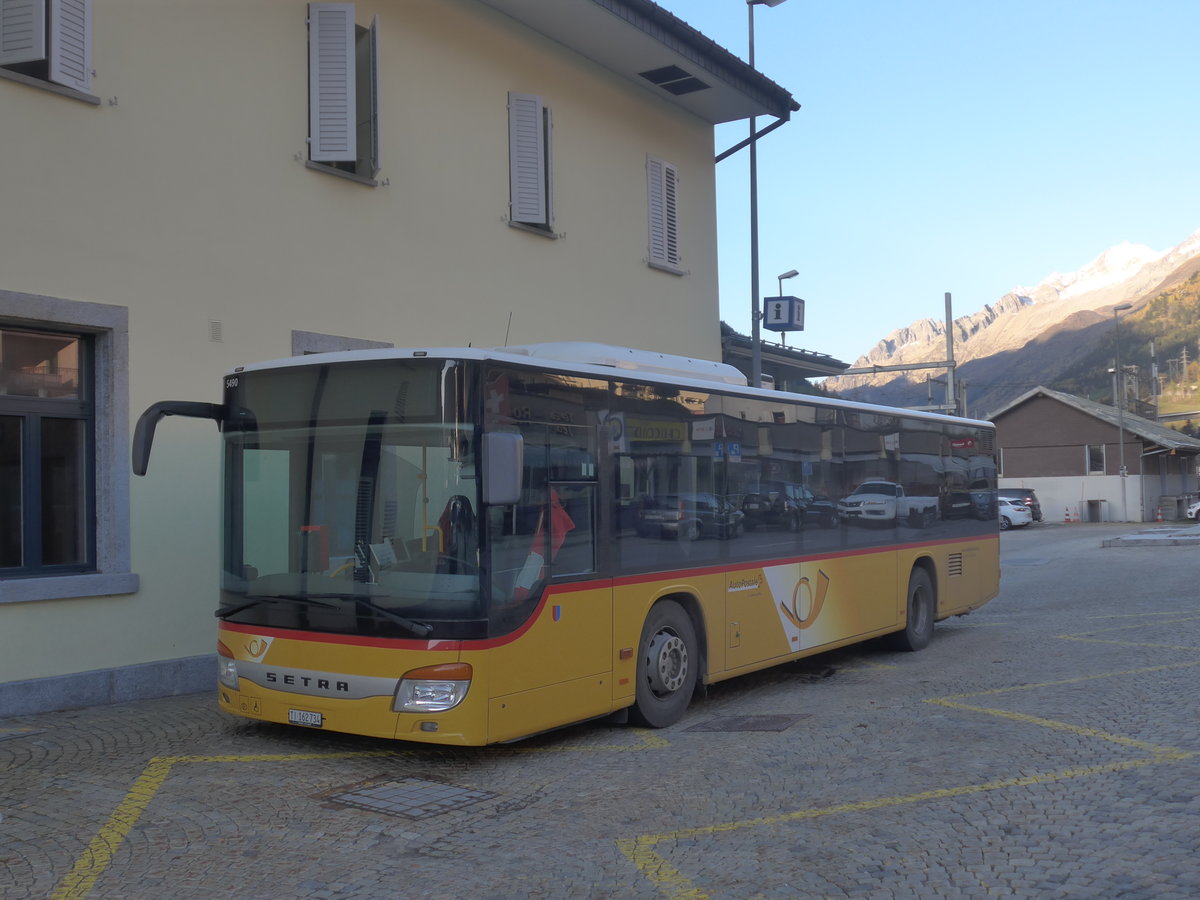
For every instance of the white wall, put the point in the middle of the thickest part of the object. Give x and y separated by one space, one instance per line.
1060 495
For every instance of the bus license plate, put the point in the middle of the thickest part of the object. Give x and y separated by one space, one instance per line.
304 717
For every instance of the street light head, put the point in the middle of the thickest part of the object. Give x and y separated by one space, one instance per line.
791 273
764 2
1122 307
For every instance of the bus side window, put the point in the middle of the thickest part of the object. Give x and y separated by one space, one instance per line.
573 529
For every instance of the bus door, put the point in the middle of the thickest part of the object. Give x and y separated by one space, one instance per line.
555 665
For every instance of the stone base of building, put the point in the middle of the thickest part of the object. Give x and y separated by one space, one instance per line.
104 686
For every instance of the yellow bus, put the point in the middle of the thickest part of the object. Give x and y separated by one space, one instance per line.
469 546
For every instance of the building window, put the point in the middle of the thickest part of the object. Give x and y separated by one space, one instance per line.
662 188
343 92
1095 459
45 451
47 41
64 449
530 128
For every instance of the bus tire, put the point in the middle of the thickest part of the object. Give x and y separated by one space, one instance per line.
922 609
667 666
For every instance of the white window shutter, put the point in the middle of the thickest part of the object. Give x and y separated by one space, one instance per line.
22 31
331 76
373 78
662 181
71 43
548 162
527 159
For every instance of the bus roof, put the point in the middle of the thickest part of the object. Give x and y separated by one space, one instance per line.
587 358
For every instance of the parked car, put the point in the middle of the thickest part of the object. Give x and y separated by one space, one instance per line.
1193 511
1014 514
886 501
956 504
818 509
689 516
787 505
1026 497
983 505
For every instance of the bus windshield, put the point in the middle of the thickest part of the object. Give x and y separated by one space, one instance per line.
351 501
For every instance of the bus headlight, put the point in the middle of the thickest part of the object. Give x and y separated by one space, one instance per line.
227 672
433 688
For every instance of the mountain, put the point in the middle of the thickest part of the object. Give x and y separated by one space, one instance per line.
1029 336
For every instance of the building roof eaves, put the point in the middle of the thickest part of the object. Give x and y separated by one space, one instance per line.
638 39
672 31
1137 425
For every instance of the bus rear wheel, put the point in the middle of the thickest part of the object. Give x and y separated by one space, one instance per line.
922 609
667 666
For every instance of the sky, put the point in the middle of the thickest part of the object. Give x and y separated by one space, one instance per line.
959 147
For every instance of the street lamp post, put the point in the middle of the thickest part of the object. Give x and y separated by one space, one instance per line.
755 316
1119 400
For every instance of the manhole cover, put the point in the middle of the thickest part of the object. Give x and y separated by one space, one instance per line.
411 798
749 723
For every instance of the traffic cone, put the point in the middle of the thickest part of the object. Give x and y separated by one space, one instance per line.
1067 516
1158 515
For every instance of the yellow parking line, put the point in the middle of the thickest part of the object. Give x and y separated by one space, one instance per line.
674 885
1079 679
100 852
1164 752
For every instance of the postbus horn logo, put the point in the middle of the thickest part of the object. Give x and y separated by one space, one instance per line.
815 601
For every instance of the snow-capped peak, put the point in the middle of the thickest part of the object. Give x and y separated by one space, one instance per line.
1114 265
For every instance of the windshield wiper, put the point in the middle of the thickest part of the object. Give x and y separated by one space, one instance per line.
420 629
254 600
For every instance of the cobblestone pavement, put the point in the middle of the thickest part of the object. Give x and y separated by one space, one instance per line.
1045 746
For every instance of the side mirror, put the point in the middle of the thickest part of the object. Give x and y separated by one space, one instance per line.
143 434
503 466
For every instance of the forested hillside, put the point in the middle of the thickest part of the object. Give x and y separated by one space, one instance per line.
1170 321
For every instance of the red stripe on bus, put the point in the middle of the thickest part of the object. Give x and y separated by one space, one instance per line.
447 646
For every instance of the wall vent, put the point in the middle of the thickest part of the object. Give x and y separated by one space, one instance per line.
675 80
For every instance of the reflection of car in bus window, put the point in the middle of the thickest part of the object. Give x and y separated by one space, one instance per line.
689 516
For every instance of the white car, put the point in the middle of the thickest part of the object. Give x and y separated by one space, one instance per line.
1014 514
1193 512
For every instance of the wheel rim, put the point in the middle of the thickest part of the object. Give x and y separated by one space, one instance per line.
666 663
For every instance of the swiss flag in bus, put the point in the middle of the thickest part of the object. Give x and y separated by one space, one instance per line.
535 564
497 400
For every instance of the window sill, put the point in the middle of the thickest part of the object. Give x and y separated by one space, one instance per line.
535 229
349 176
665 267
61 90
65 587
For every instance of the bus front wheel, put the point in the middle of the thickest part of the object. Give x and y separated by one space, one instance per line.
667 666
922 609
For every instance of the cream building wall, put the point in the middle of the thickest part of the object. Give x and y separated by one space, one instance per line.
180 209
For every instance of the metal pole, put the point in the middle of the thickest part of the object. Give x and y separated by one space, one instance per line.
755 325
1119 399
951 398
